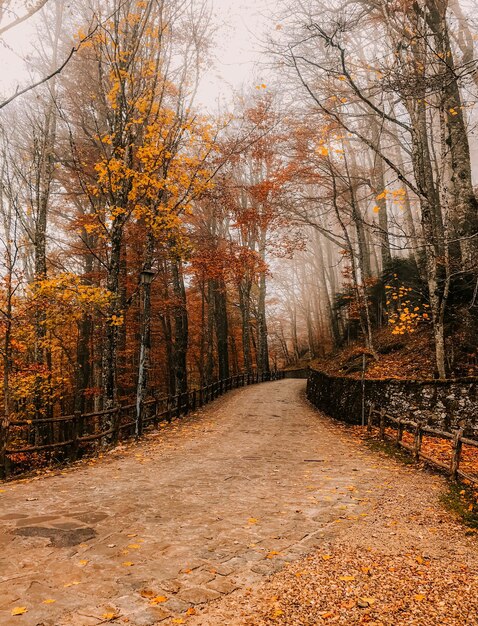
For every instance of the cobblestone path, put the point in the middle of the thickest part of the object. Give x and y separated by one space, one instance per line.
205 506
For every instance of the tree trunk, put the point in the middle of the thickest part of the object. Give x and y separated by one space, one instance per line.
222 331
181 333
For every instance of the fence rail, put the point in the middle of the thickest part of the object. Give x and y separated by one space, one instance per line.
381 420
65 438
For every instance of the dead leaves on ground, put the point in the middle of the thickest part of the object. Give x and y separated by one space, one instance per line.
368 587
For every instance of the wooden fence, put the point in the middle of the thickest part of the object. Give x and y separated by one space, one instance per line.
381 420
68 437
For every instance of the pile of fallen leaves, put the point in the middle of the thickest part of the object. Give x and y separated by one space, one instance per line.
408 357
350 586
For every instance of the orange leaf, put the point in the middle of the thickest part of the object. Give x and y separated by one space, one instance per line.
158 600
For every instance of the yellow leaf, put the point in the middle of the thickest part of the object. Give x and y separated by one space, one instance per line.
110 616
376 209
277 613
134 546
128 563
19 610
179 620
252 520
83 562
326 557
419 597
346 578
158 600
49 601
191 611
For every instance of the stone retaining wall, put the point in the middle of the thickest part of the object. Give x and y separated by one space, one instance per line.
444 404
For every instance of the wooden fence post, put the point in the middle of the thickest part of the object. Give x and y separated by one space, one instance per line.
117 425
4 432
382 424
370 418
456 455
399 432
75 444
417 444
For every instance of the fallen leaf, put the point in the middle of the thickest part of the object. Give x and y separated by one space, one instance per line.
272 554
128 563
326 557
365 602
134 546
49 601
158 600
75 582
19 610
191 611
83 562
252 520
419 597
348 605
110 616
178 620
346 578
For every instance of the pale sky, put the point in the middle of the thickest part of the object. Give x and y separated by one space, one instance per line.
239 26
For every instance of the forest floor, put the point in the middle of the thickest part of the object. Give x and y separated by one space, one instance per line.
257 510
409 356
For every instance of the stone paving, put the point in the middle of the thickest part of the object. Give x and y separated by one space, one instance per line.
210 504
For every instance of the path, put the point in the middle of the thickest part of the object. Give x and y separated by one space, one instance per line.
206 506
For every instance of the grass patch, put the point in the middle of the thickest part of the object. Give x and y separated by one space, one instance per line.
390 449
461 500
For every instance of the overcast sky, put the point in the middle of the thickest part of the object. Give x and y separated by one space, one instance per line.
239 26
